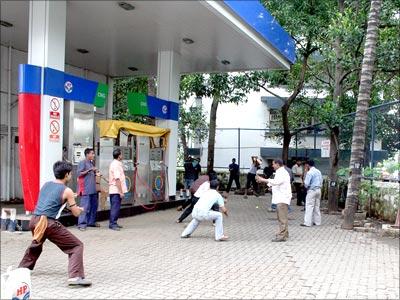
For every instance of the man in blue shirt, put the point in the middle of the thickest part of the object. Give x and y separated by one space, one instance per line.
313 184
234 173
87 190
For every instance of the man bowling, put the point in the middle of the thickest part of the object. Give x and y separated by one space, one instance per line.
44 225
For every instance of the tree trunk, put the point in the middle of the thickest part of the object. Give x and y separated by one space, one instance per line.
361 119
334 165
211 135
184 146
151 91
334 132
151 86
286 133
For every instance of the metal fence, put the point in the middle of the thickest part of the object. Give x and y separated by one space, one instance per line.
242 143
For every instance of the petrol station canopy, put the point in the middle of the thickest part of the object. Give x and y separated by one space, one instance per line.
210 36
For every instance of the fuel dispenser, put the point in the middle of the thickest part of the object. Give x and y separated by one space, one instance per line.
143 148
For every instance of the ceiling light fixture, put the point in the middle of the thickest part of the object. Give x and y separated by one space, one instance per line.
225 62
6 24
133 69
187 41
126 6
83 51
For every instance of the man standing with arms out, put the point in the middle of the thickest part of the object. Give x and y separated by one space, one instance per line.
87 190
44 225
117 188
234 173
281 196
202 212
298 171
313 184
251 176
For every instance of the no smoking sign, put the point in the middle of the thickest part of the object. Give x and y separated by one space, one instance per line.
54 127
55 104
54 120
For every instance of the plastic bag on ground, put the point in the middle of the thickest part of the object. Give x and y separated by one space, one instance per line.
16 284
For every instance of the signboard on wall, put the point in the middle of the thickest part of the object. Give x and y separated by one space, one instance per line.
325 148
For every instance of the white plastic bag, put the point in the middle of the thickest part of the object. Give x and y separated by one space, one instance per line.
16 284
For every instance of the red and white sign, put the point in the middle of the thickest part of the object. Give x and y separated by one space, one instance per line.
54 127
54 123
55 115
54 131
325 148
54 104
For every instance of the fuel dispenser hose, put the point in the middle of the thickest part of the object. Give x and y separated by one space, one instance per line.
134 188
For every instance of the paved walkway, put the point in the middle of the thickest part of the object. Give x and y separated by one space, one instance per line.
148 259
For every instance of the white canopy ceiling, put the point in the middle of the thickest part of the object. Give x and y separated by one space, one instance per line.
117 39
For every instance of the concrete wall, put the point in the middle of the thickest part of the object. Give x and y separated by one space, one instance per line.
20 57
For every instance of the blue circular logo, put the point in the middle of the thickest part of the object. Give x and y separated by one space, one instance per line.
164 109
68 87
158 183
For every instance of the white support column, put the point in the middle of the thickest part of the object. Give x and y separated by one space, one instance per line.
47 30
168 77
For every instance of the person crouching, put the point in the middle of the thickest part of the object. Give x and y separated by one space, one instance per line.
202 212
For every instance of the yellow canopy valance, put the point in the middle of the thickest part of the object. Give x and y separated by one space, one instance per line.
111 128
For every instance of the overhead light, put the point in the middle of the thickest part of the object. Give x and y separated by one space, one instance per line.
6 24
225 62
126 6
187 41
83 51
133 69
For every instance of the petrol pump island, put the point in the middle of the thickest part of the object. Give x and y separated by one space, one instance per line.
143 146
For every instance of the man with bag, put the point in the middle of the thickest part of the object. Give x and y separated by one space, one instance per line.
44 225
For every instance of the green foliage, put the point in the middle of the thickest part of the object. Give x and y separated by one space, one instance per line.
193 123
343 173
122 86
226 87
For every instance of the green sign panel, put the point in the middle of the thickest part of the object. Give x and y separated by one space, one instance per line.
137 104
101 95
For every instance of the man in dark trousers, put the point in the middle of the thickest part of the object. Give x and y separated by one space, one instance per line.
44 225
234 174
189 175
87 190
201 185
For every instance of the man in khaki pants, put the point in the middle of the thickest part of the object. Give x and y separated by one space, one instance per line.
281 196
313 183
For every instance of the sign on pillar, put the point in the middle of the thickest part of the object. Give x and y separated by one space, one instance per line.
51 135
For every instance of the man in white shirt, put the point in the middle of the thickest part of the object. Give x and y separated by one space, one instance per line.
202 212
298 172
281 196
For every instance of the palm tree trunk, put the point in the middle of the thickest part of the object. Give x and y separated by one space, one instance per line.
211 135
360 123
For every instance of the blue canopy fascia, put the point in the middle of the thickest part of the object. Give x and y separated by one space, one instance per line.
259 18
